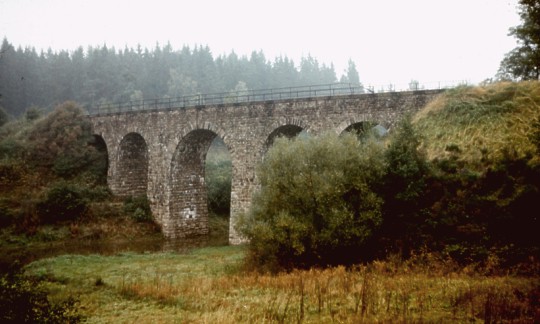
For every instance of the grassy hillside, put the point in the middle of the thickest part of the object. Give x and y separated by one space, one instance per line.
482 123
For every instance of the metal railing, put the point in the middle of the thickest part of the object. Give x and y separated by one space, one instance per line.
239 97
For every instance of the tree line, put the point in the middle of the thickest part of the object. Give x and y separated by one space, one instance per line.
104 74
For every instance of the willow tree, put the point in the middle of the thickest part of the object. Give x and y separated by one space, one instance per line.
317 204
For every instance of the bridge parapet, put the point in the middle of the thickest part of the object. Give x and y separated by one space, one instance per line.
252 96
228 98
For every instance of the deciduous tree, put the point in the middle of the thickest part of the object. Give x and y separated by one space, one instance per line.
523 62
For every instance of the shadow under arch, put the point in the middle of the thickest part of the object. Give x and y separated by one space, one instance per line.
132 166
366 128
100 158
188 198
288 131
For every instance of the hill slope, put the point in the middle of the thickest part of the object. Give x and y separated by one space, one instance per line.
482 123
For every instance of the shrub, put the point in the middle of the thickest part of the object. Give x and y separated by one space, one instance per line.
316 205
10 148
22 301
63 202
138 208
3 117
61 141
33 113
404 188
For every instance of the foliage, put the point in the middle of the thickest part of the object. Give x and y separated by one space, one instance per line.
51 169
523 62
218 184
316 205
404 188
33 113
63 202
484 177
351 74
3 116
23 301
60 141
430 186
138 208
218 175
474 217
103 75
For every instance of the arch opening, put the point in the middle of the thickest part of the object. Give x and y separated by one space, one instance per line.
218 176
100 159
288 131
199 201
132 166
366 128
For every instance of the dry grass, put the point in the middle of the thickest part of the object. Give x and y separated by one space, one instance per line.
207 286
482 122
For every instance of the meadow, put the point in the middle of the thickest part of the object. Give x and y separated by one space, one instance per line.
211 285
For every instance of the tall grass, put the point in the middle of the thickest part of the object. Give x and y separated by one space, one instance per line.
482 122
209 286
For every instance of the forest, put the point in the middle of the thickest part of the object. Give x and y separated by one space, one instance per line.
101 74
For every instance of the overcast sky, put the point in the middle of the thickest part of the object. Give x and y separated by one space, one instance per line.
391 41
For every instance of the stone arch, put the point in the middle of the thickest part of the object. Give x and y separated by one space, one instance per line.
188 200
101 161
218 131
361 126
289 121
132 166
285 127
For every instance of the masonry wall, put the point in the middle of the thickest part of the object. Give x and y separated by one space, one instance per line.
177 141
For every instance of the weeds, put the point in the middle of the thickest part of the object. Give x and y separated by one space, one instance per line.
198 288
465 116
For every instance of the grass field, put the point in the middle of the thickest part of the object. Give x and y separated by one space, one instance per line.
209 285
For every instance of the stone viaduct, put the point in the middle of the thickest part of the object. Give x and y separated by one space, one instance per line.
160 152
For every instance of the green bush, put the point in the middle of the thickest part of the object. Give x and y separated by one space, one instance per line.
316 205
62 141
138 208
63 202
404 189
22 301
3 117
10 148
33 113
